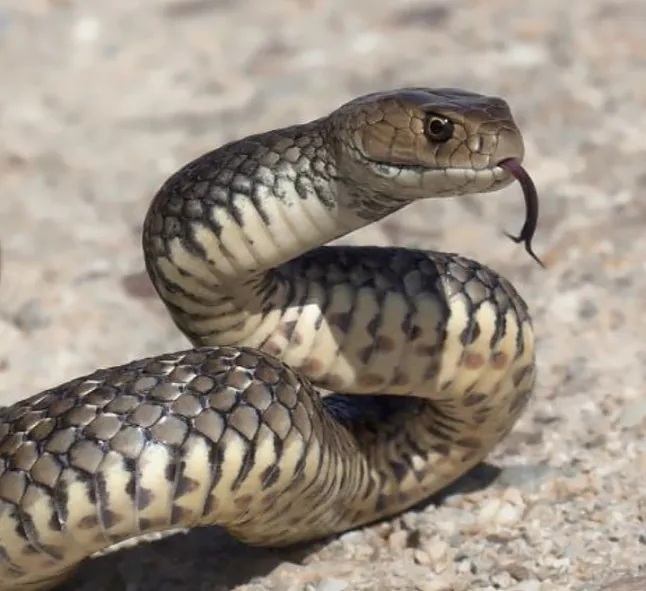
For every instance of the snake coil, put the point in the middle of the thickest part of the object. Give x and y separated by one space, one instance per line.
425 360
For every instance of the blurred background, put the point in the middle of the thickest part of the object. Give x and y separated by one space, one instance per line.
100 101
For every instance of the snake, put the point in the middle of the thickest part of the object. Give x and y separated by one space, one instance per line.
326 386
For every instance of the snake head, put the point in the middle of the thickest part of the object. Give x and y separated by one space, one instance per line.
415 143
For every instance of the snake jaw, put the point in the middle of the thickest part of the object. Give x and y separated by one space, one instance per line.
408 182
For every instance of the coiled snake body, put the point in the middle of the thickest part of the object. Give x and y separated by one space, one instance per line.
437 350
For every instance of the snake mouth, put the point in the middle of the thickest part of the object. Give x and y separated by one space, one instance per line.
516 170
496 173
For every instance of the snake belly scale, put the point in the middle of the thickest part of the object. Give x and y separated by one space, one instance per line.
425 359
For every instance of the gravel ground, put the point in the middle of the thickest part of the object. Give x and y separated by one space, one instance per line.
100 101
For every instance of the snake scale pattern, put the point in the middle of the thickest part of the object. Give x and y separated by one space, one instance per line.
327 386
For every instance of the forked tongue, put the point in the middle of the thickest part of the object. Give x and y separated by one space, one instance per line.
513 167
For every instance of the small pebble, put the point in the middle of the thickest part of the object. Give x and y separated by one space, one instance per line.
529 585
332 585
439 554
499 512
518 571
435 585
526 477
352 537
398 541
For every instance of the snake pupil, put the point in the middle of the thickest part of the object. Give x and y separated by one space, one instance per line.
439 128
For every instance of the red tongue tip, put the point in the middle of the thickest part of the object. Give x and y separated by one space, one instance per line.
513 167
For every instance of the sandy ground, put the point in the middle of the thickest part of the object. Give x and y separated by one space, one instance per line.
101 100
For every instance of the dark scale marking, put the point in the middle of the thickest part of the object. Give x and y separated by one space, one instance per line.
170 472
92 490
210 505
295 521
384 343
411 443
217 453
89 522
473 399
269 477
186 485
375 323
240 186
130 465
470 333
109 518
299 468
399 469
520 400
243 502
372 380
382 502
404 497
54 522
267 292
341 320
432 370
323 306
106 516
145 497
289 328
520 344
259 206
248 169
500 328
365 353
30 550
472 360
303 187
470 442
448 385
519 375
407 324
148 524
60 500
399 378
481 415
437 430
179 515
27 530
323 193
313 490
444 449
498 360
269 499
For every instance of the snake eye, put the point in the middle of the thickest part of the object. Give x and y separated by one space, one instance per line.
438 128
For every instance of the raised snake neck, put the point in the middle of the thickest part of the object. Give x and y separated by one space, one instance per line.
232 433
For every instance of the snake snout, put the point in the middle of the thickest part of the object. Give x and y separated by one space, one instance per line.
510 146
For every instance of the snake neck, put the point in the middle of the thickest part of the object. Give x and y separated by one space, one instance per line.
219 231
